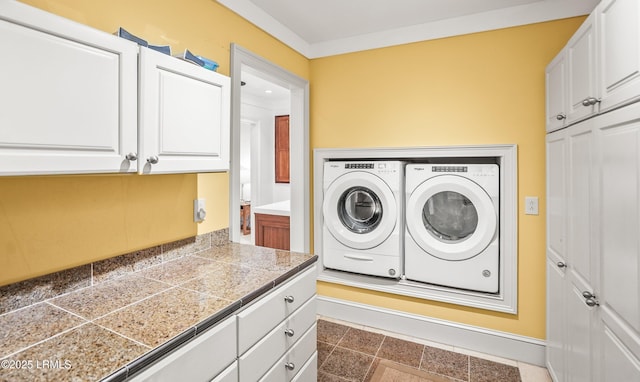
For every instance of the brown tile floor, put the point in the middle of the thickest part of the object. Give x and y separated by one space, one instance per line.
346 353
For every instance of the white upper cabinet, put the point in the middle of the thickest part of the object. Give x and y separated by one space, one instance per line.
184 116
75 100
68 96
571 79
582 86
556 85
619 31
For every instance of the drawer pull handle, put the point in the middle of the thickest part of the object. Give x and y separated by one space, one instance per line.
289 365
289 332
289 299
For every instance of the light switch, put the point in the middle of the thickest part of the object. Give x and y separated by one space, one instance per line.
531 205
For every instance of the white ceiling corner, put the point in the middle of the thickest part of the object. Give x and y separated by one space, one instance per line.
329 27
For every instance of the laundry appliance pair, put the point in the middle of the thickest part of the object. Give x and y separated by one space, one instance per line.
426 222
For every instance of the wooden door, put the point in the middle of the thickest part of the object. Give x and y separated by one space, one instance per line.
282 149
582 95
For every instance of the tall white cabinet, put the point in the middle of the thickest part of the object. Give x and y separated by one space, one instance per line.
593 211
77 100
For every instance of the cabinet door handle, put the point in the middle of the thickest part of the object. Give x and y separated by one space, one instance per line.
289 332
590 101
586 294
289 365
289 299
591 302
560 264
153 159
131 156
561 116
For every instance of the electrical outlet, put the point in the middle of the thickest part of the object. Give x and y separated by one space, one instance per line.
199 210
531 205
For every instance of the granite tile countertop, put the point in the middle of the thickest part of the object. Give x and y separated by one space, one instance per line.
91 333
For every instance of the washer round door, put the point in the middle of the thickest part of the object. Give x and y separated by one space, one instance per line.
451 217
360 210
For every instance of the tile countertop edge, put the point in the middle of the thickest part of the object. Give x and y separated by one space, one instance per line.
139 364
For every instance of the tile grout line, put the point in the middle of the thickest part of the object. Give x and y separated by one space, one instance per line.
374 358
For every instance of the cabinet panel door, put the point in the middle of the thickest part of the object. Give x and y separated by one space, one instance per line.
556 99
580 326
184 116
556 320
556 195
68 96
619 28
581 228
620 213
582 73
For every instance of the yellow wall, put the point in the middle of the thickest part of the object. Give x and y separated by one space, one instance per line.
484 88
53 223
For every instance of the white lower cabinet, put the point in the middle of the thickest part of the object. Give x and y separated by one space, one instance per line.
201 359
278 332
230 374
287 367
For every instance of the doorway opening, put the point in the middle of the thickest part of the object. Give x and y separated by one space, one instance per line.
252 140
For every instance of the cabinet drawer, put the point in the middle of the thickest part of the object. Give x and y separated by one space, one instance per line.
255 362
309 371
265 314
198 360
230 374
291 363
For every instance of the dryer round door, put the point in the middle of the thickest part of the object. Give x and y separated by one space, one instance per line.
451 217
360 210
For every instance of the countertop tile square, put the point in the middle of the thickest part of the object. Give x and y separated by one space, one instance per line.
25 327
264 258
230 281
80 355
178 271
104 298
157 319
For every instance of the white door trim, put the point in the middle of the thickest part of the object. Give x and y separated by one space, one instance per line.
300 221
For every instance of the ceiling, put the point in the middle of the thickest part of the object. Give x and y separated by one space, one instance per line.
329 27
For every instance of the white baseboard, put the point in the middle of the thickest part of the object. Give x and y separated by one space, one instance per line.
492 342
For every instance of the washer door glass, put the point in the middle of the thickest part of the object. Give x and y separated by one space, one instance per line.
450 216
360 210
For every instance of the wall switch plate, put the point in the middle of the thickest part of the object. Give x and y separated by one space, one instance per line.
199 210
531 205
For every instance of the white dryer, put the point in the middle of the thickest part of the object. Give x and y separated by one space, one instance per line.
452 225
363 220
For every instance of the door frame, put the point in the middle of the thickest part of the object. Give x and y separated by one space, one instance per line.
243 59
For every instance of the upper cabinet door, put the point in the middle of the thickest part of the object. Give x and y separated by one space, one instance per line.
184 116
582 95
556 85
619 26
68 96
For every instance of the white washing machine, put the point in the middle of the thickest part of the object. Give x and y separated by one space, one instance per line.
452 225
363 217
